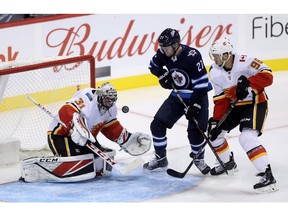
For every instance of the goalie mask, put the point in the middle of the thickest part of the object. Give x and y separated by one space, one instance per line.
107 96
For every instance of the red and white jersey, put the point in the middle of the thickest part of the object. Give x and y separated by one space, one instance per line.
85 102
225 82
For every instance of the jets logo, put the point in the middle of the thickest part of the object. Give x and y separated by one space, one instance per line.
180 77
192 53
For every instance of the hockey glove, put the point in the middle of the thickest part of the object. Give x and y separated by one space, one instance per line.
193 110
213 130
166 80
242 88
134 143
80 134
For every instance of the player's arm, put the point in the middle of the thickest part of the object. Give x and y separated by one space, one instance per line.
222 97
199 77
199 83
259 76
65 114
75 105
262 77
221 105
157 69
133 143
155 65
80 131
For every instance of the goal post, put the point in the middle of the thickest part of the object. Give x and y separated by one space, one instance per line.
51 81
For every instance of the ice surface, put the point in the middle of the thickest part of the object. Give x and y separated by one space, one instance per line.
177 195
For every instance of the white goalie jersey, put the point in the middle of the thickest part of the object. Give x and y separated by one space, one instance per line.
85 102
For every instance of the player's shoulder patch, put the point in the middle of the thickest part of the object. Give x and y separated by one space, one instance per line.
90 97
192 53
242 58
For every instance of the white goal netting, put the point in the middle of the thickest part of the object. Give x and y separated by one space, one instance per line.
50 81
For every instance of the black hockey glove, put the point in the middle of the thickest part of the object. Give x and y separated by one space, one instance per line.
166 80
213 131
242 88
193 110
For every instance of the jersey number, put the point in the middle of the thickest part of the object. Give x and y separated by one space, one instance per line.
200 65
256 63
80 103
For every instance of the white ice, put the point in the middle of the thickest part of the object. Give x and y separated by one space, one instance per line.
237 188
213 193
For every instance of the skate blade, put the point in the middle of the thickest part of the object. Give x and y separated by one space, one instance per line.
159 169
268 189
232 171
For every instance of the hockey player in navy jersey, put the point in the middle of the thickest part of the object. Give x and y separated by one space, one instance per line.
243 77
181 67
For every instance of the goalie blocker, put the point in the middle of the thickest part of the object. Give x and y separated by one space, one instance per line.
64 169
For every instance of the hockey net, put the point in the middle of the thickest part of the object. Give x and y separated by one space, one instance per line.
50 81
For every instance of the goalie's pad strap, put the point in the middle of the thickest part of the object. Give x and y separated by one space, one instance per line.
58 169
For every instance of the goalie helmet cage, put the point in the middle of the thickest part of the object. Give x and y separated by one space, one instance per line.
50 81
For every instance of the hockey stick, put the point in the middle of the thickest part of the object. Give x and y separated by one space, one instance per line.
122 169
177 174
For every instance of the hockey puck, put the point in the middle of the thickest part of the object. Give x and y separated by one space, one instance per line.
125 109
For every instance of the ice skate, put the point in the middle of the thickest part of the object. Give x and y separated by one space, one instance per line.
156 164
267 182
202 166
231 167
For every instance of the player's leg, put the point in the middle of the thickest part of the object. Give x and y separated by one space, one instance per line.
221 145
167 115
64 146
250 130
197 140
58 169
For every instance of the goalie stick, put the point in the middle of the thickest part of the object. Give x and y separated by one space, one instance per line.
177 174
122 169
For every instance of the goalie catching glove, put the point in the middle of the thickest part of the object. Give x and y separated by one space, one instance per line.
134 143
80 134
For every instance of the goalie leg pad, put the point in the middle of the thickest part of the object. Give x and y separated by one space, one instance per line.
102 168
58 169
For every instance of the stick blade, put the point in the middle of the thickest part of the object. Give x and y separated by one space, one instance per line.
133 165
174 173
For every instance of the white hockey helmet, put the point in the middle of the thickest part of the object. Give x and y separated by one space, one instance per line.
219 47
107 95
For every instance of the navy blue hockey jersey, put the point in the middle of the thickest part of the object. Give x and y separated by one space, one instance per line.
187 70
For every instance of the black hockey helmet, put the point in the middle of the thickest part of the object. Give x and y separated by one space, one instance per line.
168 37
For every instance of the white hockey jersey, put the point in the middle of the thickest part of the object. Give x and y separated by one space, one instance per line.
225 82
85 102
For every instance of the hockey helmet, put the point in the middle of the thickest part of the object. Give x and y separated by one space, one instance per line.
168 37
107 95
221 46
